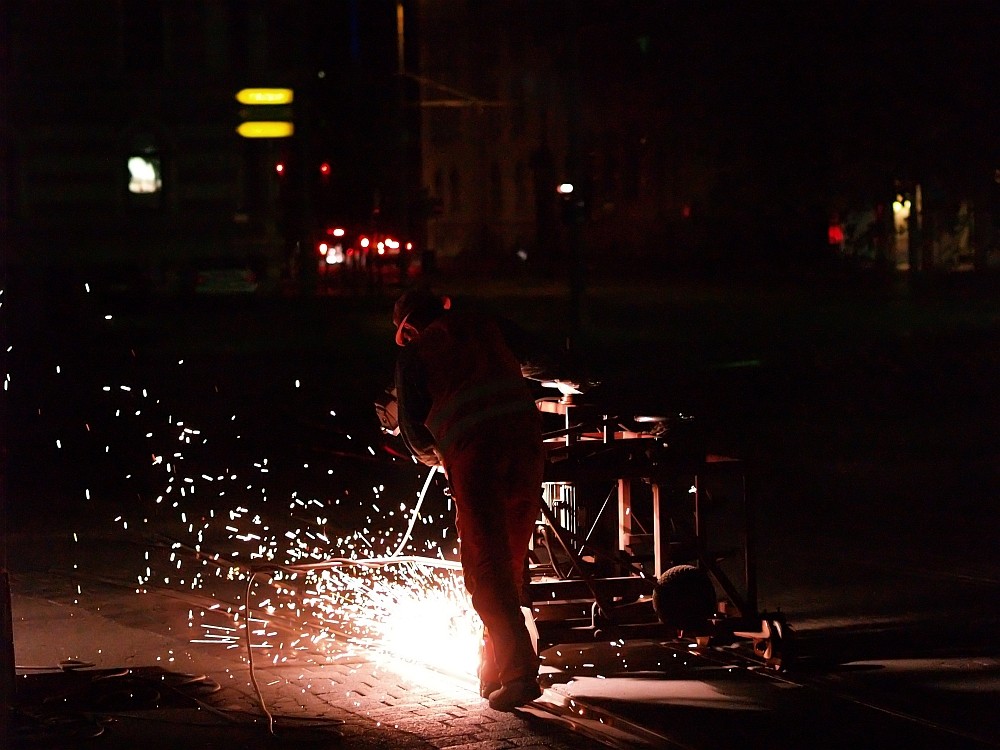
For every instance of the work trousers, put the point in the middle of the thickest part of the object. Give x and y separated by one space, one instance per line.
497 493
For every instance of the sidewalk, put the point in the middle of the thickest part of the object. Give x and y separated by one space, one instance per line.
144 678
137 680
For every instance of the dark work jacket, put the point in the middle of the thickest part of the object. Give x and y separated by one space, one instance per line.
458 385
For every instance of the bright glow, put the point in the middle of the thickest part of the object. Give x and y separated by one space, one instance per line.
409 245
365 242
323 248
279 168
338 232
265 129
145 175
324 168
381 248
391 243
448 637
265 96
565 189
335 255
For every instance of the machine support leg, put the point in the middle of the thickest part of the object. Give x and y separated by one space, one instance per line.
624 513
711 567
658 563
587 578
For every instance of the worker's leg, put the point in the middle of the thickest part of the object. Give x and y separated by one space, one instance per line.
490 525
488 671
494 592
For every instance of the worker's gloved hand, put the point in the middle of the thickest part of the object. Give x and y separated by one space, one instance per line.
387 410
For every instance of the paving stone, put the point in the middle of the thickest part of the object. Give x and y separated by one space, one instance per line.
379 709
482 745
499 732
433 731
456 741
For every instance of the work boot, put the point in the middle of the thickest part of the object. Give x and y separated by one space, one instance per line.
488 673
486 689
515 693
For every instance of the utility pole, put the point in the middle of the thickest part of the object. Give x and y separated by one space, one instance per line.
577 213
402 133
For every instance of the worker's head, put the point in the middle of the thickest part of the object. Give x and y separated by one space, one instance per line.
415 310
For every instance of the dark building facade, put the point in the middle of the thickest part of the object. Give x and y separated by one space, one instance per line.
619 100
705 136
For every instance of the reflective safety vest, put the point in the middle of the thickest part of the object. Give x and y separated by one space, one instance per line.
474 381
475 407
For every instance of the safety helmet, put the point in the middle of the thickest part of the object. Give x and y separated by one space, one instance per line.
417 307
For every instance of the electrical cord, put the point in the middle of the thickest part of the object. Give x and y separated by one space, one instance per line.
395 557
253 676
416 512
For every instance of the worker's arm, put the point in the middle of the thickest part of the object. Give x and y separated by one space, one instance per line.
414 406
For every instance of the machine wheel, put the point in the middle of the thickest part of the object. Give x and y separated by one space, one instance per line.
684 598
773 643
776 651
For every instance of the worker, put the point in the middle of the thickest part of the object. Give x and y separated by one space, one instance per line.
464 405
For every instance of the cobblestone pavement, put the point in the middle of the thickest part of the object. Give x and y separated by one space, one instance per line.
382 709
352 700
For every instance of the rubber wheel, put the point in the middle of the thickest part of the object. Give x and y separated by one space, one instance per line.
684 598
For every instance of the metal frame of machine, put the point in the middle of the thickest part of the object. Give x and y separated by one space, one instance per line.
663 582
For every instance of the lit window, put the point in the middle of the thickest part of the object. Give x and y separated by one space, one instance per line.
144 175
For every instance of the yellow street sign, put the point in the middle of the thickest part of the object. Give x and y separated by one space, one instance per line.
265 129
265 96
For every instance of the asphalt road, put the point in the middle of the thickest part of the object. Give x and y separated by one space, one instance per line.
867 415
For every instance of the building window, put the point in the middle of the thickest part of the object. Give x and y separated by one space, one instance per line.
517 109
445 124
438 186
496 188
456 191
144 174
144 171
520 186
